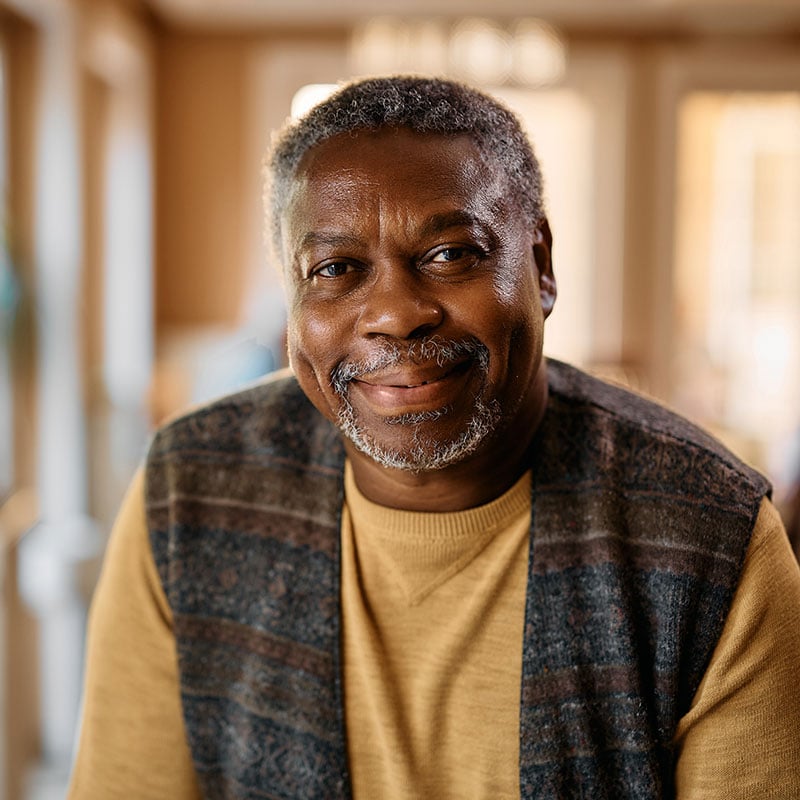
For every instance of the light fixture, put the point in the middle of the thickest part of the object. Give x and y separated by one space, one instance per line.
527 52
480 50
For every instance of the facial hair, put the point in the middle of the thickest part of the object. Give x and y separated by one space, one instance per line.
423 452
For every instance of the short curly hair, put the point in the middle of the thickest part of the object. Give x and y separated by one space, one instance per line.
425 105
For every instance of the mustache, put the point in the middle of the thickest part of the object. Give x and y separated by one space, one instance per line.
420 351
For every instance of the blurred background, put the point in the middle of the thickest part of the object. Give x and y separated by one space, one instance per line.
134 280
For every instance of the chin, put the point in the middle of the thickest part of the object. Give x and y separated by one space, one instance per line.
422 451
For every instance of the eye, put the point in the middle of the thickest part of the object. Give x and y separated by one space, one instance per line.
449 254
333 269
452 259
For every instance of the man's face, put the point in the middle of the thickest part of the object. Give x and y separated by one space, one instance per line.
416 301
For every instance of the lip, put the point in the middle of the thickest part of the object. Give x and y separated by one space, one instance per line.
414 388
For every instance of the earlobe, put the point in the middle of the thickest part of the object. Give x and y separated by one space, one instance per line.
542 256
547 293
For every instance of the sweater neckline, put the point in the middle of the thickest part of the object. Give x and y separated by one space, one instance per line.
421 550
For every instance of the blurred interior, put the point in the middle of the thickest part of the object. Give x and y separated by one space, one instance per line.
134 279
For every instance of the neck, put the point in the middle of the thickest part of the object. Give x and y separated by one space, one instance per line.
477 480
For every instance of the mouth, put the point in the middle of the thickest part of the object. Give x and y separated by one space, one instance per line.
414 389
414 376
421 380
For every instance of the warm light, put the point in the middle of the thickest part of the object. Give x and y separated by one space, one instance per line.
529 52
480 51
737 266
308 96
429 51
387 45
377 47
539 53
109 52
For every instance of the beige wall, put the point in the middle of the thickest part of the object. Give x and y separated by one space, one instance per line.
206 112
200 180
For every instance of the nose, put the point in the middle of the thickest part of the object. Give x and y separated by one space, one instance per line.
397 305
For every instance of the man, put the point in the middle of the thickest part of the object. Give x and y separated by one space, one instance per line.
460 570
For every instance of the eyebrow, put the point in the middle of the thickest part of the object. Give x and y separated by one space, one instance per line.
450 219
432 226
329 239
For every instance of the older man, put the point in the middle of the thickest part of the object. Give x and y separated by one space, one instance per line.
460 570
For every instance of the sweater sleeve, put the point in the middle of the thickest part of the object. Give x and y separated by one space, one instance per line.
741 737
132 743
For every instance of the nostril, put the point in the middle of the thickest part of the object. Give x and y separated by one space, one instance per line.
400 315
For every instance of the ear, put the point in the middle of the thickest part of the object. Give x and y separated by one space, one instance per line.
542 256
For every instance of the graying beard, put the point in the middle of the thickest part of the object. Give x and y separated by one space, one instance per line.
425 453
415 417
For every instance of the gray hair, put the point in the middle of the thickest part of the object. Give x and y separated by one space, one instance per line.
425 105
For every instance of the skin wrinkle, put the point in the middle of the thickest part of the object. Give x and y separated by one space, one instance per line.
484 218
426 106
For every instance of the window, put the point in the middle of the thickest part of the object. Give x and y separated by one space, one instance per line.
737 270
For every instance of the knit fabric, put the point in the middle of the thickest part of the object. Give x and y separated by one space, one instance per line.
433 606
639 527
243 505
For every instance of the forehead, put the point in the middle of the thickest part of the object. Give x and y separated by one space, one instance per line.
351 174
389 147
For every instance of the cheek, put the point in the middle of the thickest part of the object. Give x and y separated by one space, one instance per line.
531 323
506 286
304 342
310 335
525 334
516 267
515 317
312 357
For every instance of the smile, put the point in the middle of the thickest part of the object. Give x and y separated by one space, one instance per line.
414 376
413 389
412 385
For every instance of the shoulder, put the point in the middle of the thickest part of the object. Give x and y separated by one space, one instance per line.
269 420
643 443
276 393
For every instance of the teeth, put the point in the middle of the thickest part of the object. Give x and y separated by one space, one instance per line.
415 385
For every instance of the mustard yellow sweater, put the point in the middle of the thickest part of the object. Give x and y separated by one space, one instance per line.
433 608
